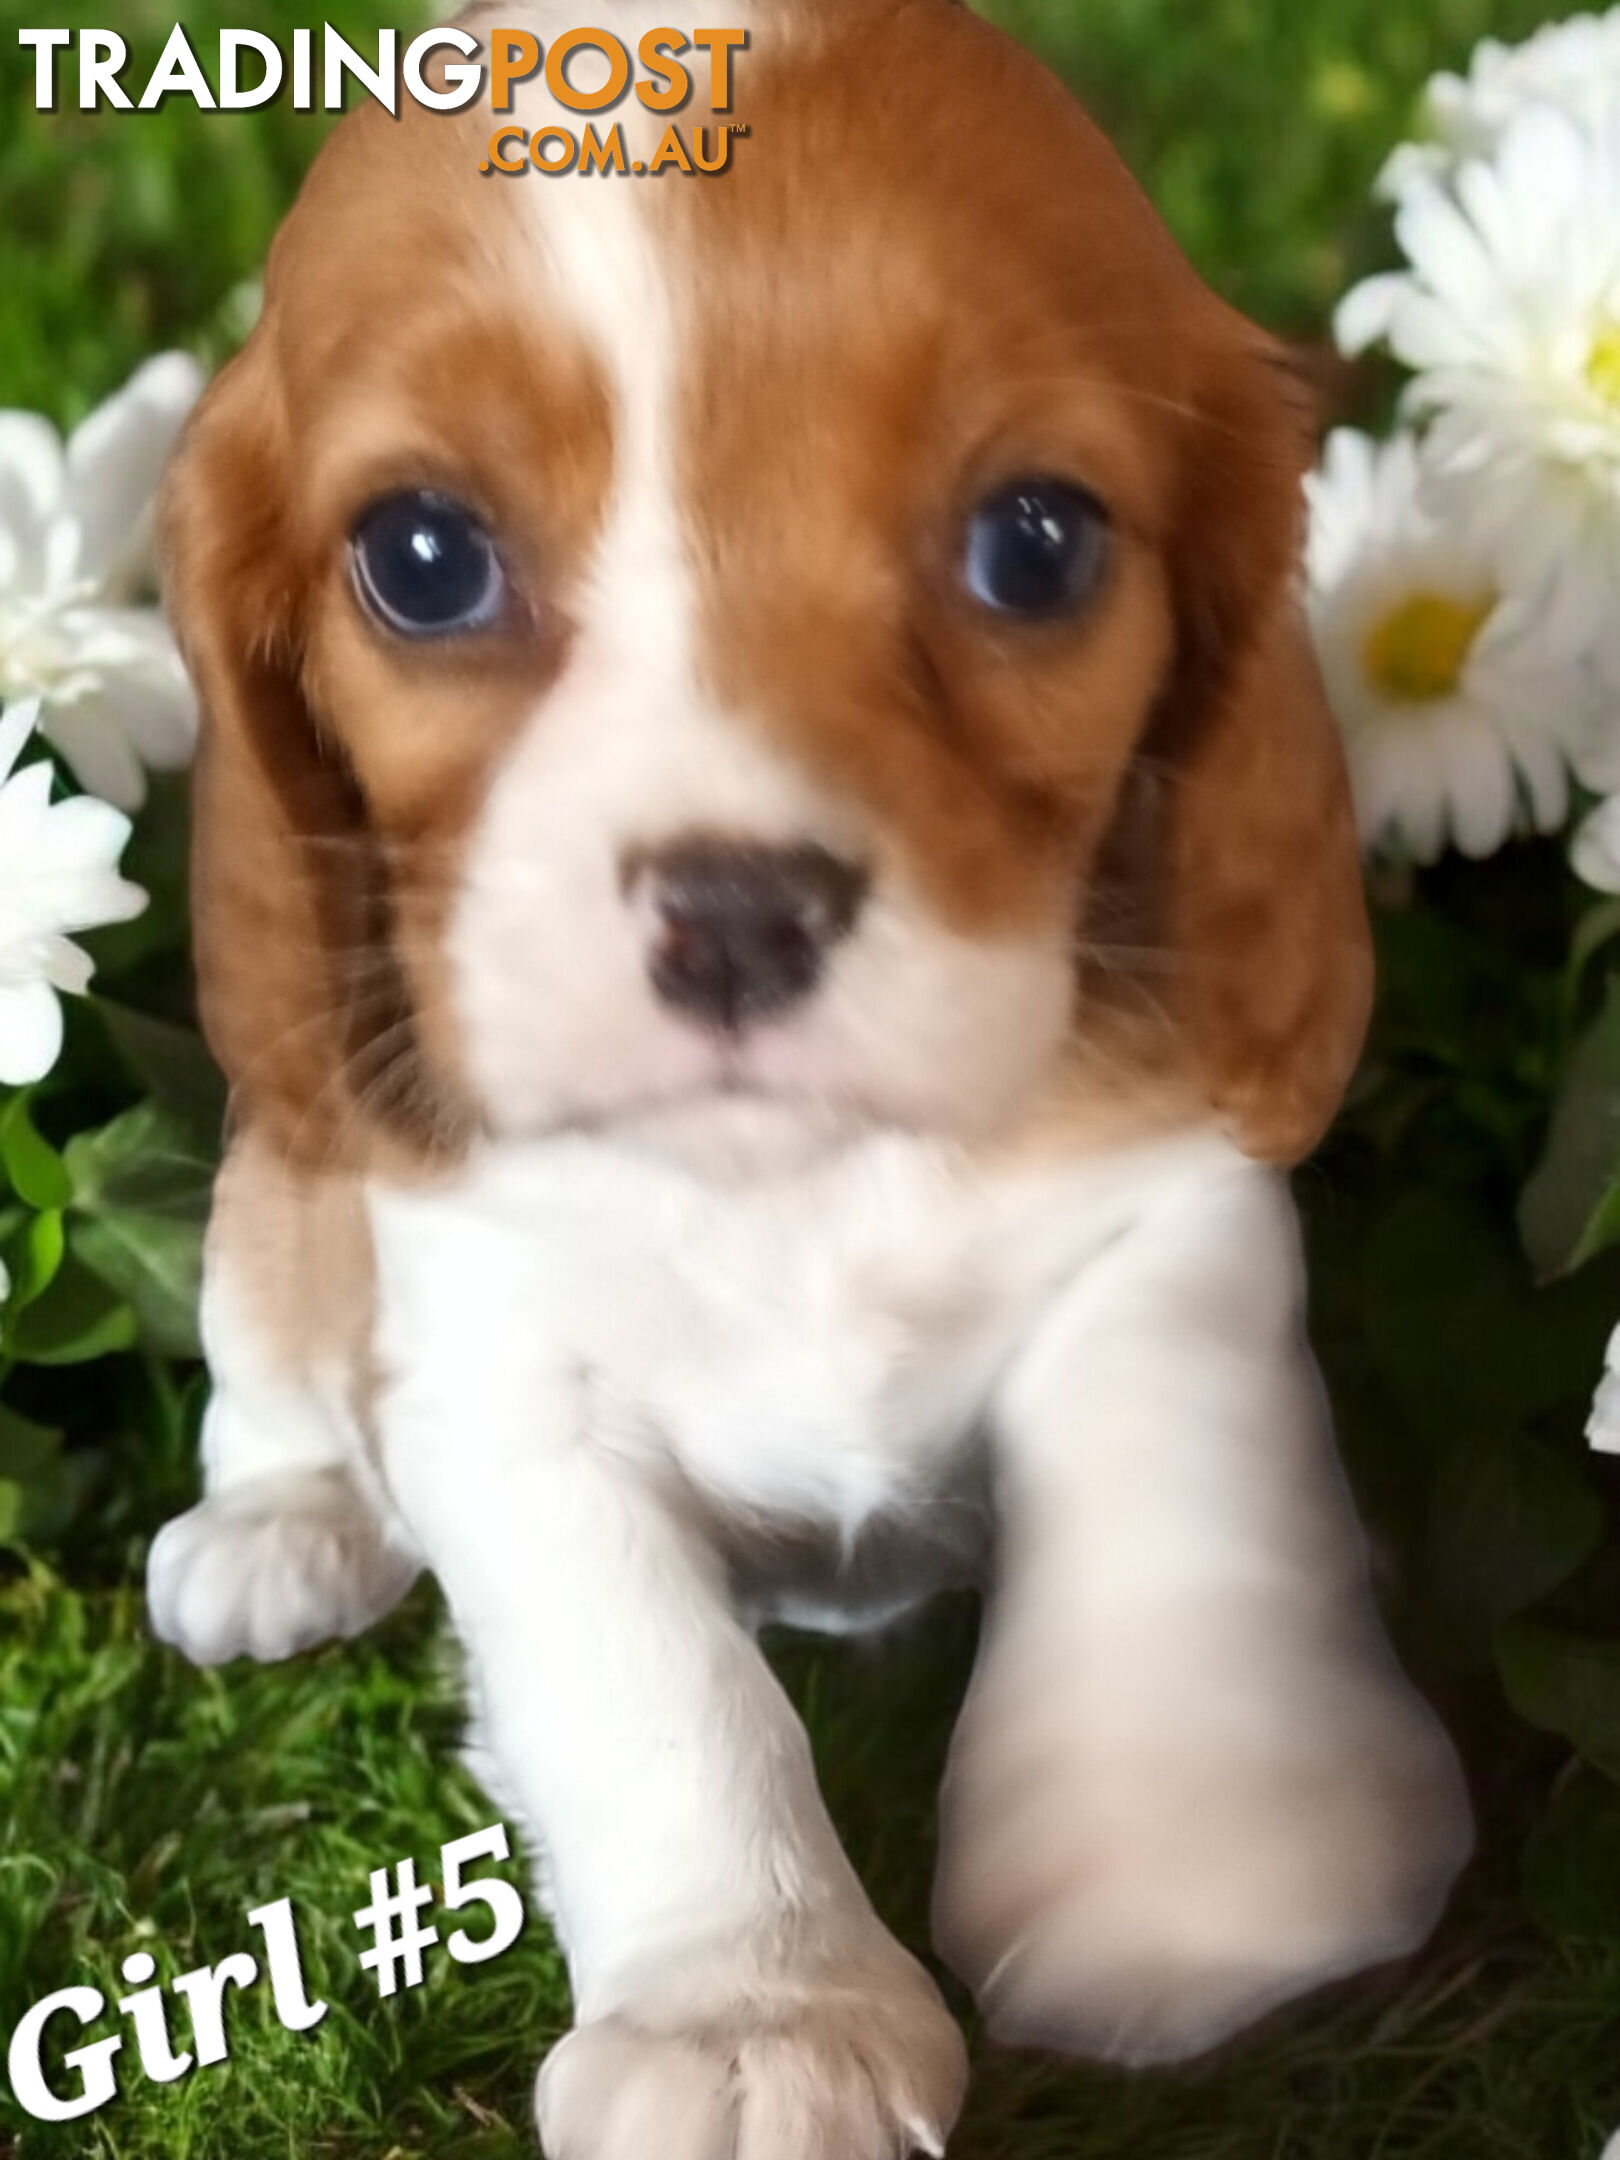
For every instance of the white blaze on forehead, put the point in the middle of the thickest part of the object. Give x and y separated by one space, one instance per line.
626 749
603 253
607 269
605 273
632 748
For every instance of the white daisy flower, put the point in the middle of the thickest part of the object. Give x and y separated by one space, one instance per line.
1573 65
58 873
76 569
1510 318
1457 715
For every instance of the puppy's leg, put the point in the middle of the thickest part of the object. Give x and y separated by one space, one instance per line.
736 1996
294 1541
1189 1779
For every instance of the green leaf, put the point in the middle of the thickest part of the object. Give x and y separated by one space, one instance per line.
150 1160
40 1486
35 1170
33 1257
1449 994
1565 1683
1450 1317
1510 1521
140 1203
76 1319
1594 930
171 1063
1570 1872
25 1448
1570 1207
157 1266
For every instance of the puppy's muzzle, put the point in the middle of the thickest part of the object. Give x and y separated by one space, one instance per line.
740 931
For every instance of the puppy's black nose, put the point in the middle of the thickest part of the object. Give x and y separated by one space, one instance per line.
742 930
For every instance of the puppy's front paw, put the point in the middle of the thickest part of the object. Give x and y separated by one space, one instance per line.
819 2073
1143 1911
271 1567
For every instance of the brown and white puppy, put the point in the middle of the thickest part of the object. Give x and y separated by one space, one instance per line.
774 885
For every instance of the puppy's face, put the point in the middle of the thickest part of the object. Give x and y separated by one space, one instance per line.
821 632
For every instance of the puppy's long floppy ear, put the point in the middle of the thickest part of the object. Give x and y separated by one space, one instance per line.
1266 913
284 892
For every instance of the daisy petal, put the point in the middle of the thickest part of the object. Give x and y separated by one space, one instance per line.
31 482
1362 318
1594 852
30 1032
114 460
17 722
98 753
155 712
1444 249
1480 785
67 966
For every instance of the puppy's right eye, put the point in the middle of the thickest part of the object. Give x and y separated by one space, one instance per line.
425 567
1037 548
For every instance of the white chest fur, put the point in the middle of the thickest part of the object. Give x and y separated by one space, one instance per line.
1188 1778
815 1342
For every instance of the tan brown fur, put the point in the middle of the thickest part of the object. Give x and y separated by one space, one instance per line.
1036 318
872 340
299 1257
336 777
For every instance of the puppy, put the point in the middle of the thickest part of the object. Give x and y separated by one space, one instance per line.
776 891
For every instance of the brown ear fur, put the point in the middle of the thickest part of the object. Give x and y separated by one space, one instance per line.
1266 912
293 964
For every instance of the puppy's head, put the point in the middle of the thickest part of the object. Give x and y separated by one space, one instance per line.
822 632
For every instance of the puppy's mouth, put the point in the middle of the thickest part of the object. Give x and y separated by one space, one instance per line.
741 982
730 1076
737 944
731 1124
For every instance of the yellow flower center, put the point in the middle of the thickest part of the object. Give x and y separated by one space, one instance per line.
1417 651
1603 364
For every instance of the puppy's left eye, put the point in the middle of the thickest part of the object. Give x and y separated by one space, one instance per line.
1036 548
425 567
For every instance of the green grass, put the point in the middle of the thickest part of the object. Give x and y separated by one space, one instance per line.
148 1805
144 1803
